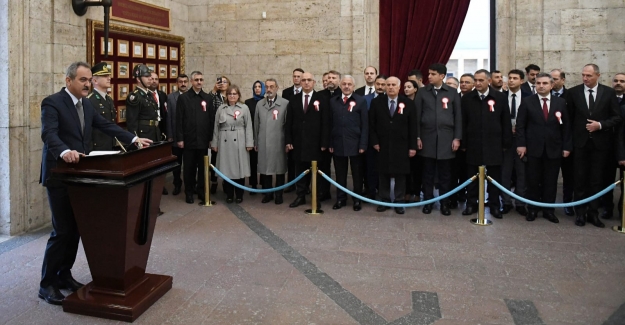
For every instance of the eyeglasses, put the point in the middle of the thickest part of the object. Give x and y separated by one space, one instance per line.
198 79
233 94
307 80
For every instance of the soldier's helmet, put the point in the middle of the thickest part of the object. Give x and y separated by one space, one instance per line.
141 71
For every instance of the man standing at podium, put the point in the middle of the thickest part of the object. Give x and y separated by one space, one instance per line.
67 123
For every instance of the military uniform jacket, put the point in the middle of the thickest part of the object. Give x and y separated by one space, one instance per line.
104 107
395 135
440 121
142 115
308 131
269 127
486 134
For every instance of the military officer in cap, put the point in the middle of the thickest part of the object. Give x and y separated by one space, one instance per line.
142 115
103 104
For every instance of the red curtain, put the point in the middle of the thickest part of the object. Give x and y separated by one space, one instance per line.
417 33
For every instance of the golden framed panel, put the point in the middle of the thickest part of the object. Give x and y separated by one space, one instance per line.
123 70
173 87
137 50
152 67
173 71
162 70
150 51
109 91
173 53
111 43
163 87
162 52
122 91
110 65
123 48
121 114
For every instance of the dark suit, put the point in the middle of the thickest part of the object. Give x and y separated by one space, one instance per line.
172 99
526 89
163 111
349 125
396 135
253 179
307 131
364 90
60 131
486 135
288 94
513 168
545 140
592 150
566 166
370 172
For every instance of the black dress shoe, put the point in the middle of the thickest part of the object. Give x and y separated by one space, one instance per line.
531 216
469 210
252 193
594 220
279 200
357 206
267 198
189 199
165 191
229 200
521 210
569 211
69 283
51 295
238 200
298 201
494 211
453 204
506 208
445 210
551 217
427 209
606 214
339 204
400 210
213 188
580 220
381 208
176 190
289 189
324 197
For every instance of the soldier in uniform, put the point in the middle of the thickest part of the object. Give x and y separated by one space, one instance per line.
103 104
142 112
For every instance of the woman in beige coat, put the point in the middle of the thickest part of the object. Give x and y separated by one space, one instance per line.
233 137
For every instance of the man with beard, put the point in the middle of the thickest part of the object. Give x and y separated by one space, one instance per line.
172 99
531 71
369 87
497 80
325 163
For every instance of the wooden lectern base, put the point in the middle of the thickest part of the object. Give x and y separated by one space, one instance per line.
89 302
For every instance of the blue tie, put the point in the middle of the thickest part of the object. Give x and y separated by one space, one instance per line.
392 107
482 97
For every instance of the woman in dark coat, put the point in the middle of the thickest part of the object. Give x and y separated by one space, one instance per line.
258 92
414 179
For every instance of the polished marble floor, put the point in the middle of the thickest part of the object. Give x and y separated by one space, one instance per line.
256 263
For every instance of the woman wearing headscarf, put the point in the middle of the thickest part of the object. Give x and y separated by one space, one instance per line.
258 93
233 138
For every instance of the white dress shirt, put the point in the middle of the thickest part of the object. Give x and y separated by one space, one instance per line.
304 98
540 98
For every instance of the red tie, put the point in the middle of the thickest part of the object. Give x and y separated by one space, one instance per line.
155 98
344 100
306 103
545 109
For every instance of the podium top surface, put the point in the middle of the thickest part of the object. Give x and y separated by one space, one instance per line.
120 165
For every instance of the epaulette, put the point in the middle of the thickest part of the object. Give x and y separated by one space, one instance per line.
133 98
89 96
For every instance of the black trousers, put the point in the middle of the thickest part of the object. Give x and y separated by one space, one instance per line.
62 246
325 165
301 187
459 175
372 171
193 160
414 180
493 171
430 166
590 166
213 177
253 179
340 167
542 180
385 187
607 200
267 180
232 190
568 177
291 169
176 172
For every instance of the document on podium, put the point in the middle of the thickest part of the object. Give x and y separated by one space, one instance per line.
104 153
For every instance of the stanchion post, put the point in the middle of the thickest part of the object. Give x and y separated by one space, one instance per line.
313 209
481 220
621 228
207 192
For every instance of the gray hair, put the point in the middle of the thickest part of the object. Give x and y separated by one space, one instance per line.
194 73
350 77
454 78
272 79
72 70
484 71
594 67
545 75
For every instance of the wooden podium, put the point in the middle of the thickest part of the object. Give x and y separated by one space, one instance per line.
116 200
